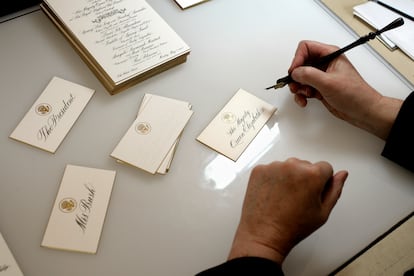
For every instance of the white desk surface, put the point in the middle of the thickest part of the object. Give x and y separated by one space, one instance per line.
183 222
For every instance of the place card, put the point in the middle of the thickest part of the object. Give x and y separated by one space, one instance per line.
184 4
166 163
8 264
150 142
52 115
79 211
237 124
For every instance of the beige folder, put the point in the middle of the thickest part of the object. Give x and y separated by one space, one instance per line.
400 62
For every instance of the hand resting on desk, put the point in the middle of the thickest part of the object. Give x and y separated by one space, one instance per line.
284 203
287 201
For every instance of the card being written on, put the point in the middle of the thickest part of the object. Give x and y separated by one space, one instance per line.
153 135
237 124
53 114
79 211
8 265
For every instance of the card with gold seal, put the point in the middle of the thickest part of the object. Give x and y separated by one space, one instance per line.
53 114
237 124
79 211
151 140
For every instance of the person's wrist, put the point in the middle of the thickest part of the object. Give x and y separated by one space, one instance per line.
382 115
246 245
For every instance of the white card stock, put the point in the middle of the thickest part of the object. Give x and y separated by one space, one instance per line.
236 125
150 142
52 115
79 211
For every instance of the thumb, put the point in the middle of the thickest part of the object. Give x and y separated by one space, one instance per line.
333 191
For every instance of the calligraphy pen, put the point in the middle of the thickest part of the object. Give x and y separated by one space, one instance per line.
327 59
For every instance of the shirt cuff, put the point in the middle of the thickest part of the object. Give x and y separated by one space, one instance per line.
399 146
245 266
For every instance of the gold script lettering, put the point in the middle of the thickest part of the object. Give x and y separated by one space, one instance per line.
244 124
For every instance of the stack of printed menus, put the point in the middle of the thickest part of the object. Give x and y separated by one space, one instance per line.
123 42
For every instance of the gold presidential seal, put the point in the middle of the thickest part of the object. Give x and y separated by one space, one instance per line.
67 205
143 128
43 109
228 117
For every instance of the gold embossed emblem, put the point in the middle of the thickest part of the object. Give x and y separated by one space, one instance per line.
143 128
228 117
67 205
43 109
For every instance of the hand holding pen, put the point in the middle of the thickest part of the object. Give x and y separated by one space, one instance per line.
324 60
341 89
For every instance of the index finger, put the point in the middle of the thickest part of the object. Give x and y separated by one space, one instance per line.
310 50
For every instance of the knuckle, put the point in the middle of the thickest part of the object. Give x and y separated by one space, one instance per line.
258 170
314 171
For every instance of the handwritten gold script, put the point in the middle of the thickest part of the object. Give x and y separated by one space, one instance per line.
85 206
243 125
46 130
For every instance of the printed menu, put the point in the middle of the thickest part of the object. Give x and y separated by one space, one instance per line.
123 41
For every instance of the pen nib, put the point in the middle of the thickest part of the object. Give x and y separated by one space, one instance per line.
277 85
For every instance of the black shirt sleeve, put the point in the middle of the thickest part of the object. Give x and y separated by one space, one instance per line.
245 266
399 146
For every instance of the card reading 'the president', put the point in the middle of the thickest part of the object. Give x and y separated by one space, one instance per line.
79 211
53 114
237 124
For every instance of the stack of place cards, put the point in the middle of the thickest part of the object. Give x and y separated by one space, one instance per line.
151 140
79 211
184 4
52 115
237 124
8 265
